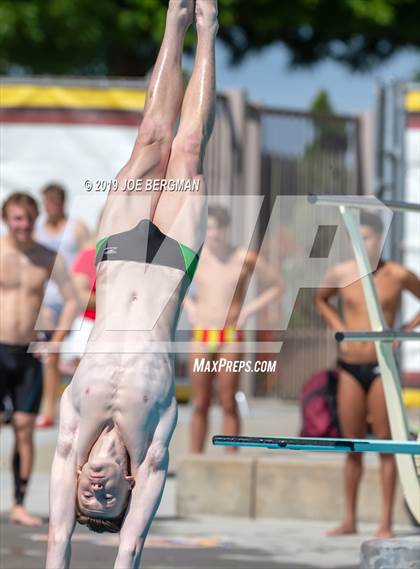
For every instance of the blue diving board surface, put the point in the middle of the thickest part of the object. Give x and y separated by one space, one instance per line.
321 444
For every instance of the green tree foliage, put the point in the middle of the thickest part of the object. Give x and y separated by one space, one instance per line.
416 75
121 37
322 169
330 132
321 103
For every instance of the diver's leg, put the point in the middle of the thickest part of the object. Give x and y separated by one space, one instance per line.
177 214
152 146
164 95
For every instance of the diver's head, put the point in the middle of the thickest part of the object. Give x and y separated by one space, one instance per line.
103 493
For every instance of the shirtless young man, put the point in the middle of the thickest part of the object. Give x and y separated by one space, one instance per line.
223 270
118 414
25 269
360 389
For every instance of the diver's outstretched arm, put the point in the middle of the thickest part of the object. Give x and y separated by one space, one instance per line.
147 492
63 485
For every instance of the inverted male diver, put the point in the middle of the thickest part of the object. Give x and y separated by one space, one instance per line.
360 389
118 414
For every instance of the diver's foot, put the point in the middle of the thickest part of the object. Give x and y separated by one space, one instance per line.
181 11
384 532
206 15
343 529
20 516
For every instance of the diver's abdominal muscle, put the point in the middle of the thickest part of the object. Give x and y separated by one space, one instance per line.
132 299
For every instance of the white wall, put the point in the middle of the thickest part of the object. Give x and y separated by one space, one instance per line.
31 155
411 350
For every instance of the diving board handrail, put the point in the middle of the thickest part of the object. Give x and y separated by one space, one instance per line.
350 209
386 336
361 202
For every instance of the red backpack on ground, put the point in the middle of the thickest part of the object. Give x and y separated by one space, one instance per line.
318 402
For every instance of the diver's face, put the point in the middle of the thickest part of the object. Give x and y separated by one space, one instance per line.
216 235
372 241
102 489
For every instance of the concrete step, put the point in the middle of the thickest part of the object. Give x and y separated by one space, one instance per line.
276 487
399 553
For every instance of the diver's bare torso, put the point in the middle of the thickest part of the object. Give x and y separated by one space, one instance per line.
123 379
129 392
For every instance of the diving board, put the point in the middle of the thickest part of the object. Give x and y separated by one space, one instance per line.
321 444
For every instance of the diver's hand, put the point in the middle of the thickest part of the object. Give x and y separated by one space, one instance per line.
58 555
124 559
128 557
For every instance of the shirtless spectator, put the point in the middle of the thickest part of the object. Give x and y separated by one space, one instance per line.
25 269
59 233
221 264
360 389
84 275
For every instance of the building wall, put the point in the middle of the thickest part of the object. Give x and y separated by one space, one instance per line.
411 241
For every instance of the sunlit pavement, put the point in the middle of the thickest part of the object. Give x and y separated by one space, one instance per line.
203 543
199 543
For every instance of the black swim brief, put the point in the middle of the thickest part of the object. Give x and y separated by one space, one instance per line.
362 373
20 379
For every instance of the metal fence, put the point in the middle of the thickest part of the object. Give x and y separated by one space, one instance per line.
221 153
304 153
275 152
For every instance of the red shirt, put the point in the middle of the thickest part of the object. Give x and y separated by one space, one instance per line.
85 264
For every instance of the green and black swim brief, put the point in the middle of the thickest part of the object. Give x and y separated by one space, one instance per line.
145 243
